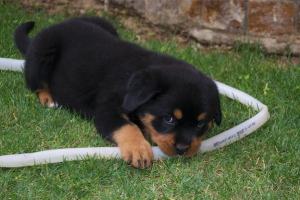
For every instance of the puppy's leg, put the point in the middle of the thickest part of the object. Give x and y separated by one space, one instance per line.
135 149
46 99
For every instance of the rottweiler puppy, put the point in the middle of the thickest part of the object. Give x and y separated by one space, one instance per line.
129 92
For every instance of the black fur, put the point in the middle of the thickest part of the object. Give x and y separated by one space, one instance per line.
21 36
86 67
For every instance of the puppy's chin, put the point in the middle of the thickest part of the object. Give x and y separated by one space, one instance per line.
167 145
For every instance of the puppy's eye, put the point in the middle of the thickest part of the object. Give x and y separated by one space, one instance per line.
200 124
169 119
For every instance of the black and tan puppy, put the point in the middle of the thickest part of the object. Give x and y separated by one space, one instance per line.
129 91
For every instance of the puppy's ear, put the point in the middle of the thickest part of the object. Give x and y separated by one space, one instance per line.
218 115
141 88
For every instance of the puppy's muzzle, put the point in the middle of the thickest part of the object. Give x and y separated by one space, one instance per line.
181 149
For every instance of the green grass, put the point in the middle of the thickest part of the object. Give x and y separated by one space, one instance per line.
264 165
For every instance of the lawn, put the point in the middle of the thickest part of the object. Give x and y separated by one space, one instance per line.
263 165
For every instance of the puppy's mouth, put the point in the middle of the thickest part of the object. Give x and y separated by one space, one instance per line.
167 145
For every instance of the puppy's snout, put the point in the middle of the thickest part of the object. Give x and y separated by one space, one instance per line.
181 149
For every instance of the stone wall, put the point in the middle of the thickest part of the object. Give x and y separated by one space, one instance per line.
273 24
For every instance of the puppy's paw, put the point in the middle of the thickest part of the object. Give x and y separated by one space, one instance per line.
138 155
46 99
135 149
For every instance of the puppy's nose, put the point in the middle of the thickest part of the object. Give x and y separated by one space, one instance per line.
181 149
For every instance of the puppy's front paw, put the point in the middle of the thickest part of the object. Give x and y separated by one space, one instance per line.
138 155
134 148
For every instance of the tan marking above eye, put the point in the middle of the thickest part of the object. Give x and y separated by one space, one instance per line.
201 116
177 113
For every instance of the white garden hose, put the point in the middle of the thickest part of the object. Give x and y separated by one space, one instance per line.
218 141
11 64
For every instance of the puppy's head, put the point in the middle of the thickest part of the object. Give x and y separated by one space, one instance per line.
176 106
